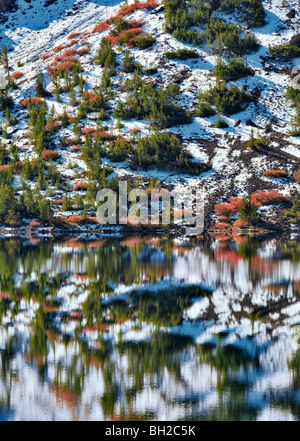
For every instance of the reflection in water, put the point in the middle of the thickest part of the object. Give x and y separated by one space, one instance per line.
149 329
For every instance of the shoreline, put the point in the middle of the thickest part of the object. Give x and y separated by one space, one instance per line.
118 231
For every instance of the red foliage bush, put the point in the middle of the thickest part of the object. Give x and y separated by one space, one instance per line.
85 43
45 57
235 202
63 67
267 198
52 127
136 23
47 155
225 209
4 295
34 224
88 130
297 176
76 148
125 36
75 219
83 51
81 185
74 35
100 27
93 131
69 53
73 42
58 202
31 100
59 48
90 96
17 75
126 10
275 174
228 208
4 167
134 129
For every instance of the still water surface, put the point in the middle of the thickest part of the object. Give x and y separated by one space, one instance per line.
149 329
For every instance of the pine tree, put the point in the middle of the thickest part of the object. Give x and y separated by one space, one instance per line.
248 211
39 88
252 140
294 213
129 64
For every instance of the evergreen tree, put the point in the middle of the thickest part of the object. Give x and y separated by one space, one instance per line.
248 211
39 88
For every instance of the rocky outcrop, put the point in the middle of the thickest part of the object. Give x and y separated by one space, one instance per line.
295 40
291 14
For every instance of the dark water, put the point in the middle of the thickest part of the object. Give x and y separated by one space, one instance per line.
149 329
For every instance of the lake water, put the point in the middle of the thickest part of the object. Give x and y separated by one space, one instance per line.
149 329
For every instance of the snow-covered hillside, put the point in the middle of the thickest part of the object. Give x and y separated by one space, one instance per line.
34 33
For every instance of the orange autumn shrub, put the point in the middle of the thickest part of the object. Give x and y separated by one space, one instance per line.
275 174
76 148
74 35
48 155
125 36
83 51
88 130
69 53
34 224
271 197
126 10
17 75
59 48
81 185
75 219
52 127
100 27
63 67
35 100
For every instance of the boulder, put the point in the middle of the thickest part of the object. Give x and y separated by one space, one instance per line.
291 14
295 40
